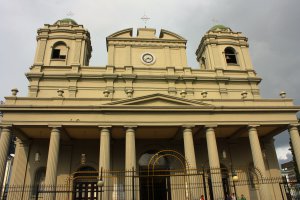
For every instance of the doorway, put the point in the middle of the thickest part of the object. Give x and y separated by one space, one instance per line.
154 181
85 184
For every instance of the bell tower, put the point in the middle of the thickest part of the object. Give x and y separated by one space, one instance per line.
65 43
222 48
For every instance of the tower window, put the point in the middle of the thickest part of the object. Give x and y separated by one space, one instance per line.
230 55
59 51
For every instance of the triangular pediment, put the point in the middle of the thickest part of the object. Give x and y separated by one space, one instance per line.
158 100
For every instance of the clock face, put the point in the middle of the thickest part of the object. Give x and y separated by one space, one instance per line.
148 58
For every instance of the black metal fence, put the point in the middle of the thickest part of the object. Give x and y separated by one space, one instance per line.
152 184
290 190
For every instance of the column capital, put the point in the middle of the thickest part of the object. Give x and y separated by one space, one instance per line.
23 142
55 126
104 127
132 127
55 129
188 126
6 126
293 126
253 126
210 126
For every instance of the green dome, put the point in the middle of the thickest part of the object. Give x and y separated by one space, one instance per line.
66 21
219 26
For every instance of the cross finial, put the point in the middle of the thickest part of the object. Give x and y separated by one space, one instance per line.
70 14
145 18
215 21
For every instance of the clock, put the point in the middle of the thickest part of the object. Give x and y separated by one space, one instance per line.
148 58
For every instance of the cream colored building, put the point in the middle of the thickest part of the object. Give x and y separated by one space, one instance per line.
146 104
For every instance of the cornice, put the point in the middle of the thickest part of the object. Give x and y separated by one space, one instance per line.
142 77
149 123
142 40
141 108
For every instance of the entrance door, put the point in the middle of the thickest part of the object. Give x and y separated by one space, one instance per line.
155 186
85 184
86 191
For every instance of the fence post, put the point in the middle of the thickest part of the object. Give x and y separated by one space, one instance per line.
204 182
132 183
37 192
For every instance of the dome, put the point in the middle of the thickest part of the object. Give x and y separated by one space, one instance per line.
66 21
219 27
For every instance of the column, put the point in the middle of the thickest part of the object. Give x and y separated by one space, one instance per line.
258 160
53 154
294 134
104 160
104 157
189 149
130 163
4 150
130 154
191 167
20 162
214 163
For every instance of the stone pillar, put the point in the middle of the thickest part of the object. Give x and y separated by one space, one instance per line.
20 162
258 160
104 157
191 167
130 163
294 134
189 149
53 154
4 150
214 163
104 160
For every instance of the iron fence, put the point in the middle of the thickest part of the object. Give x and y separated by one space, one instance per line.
149 185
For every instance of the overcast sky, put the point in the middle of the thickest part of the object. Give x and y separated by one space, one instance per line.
272 27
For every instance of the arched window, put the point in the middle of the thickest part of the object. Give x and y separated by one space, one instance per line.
59 51
230 55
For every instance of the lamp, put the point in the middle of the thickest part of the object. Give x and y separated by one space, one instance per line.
37 157
100 183
235 177
83 159
224 154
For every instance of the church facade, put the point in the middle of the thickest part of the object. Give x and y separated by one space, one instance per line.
146 125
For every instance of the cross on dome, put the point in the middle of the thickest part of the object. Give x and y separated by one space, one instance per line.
145 18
